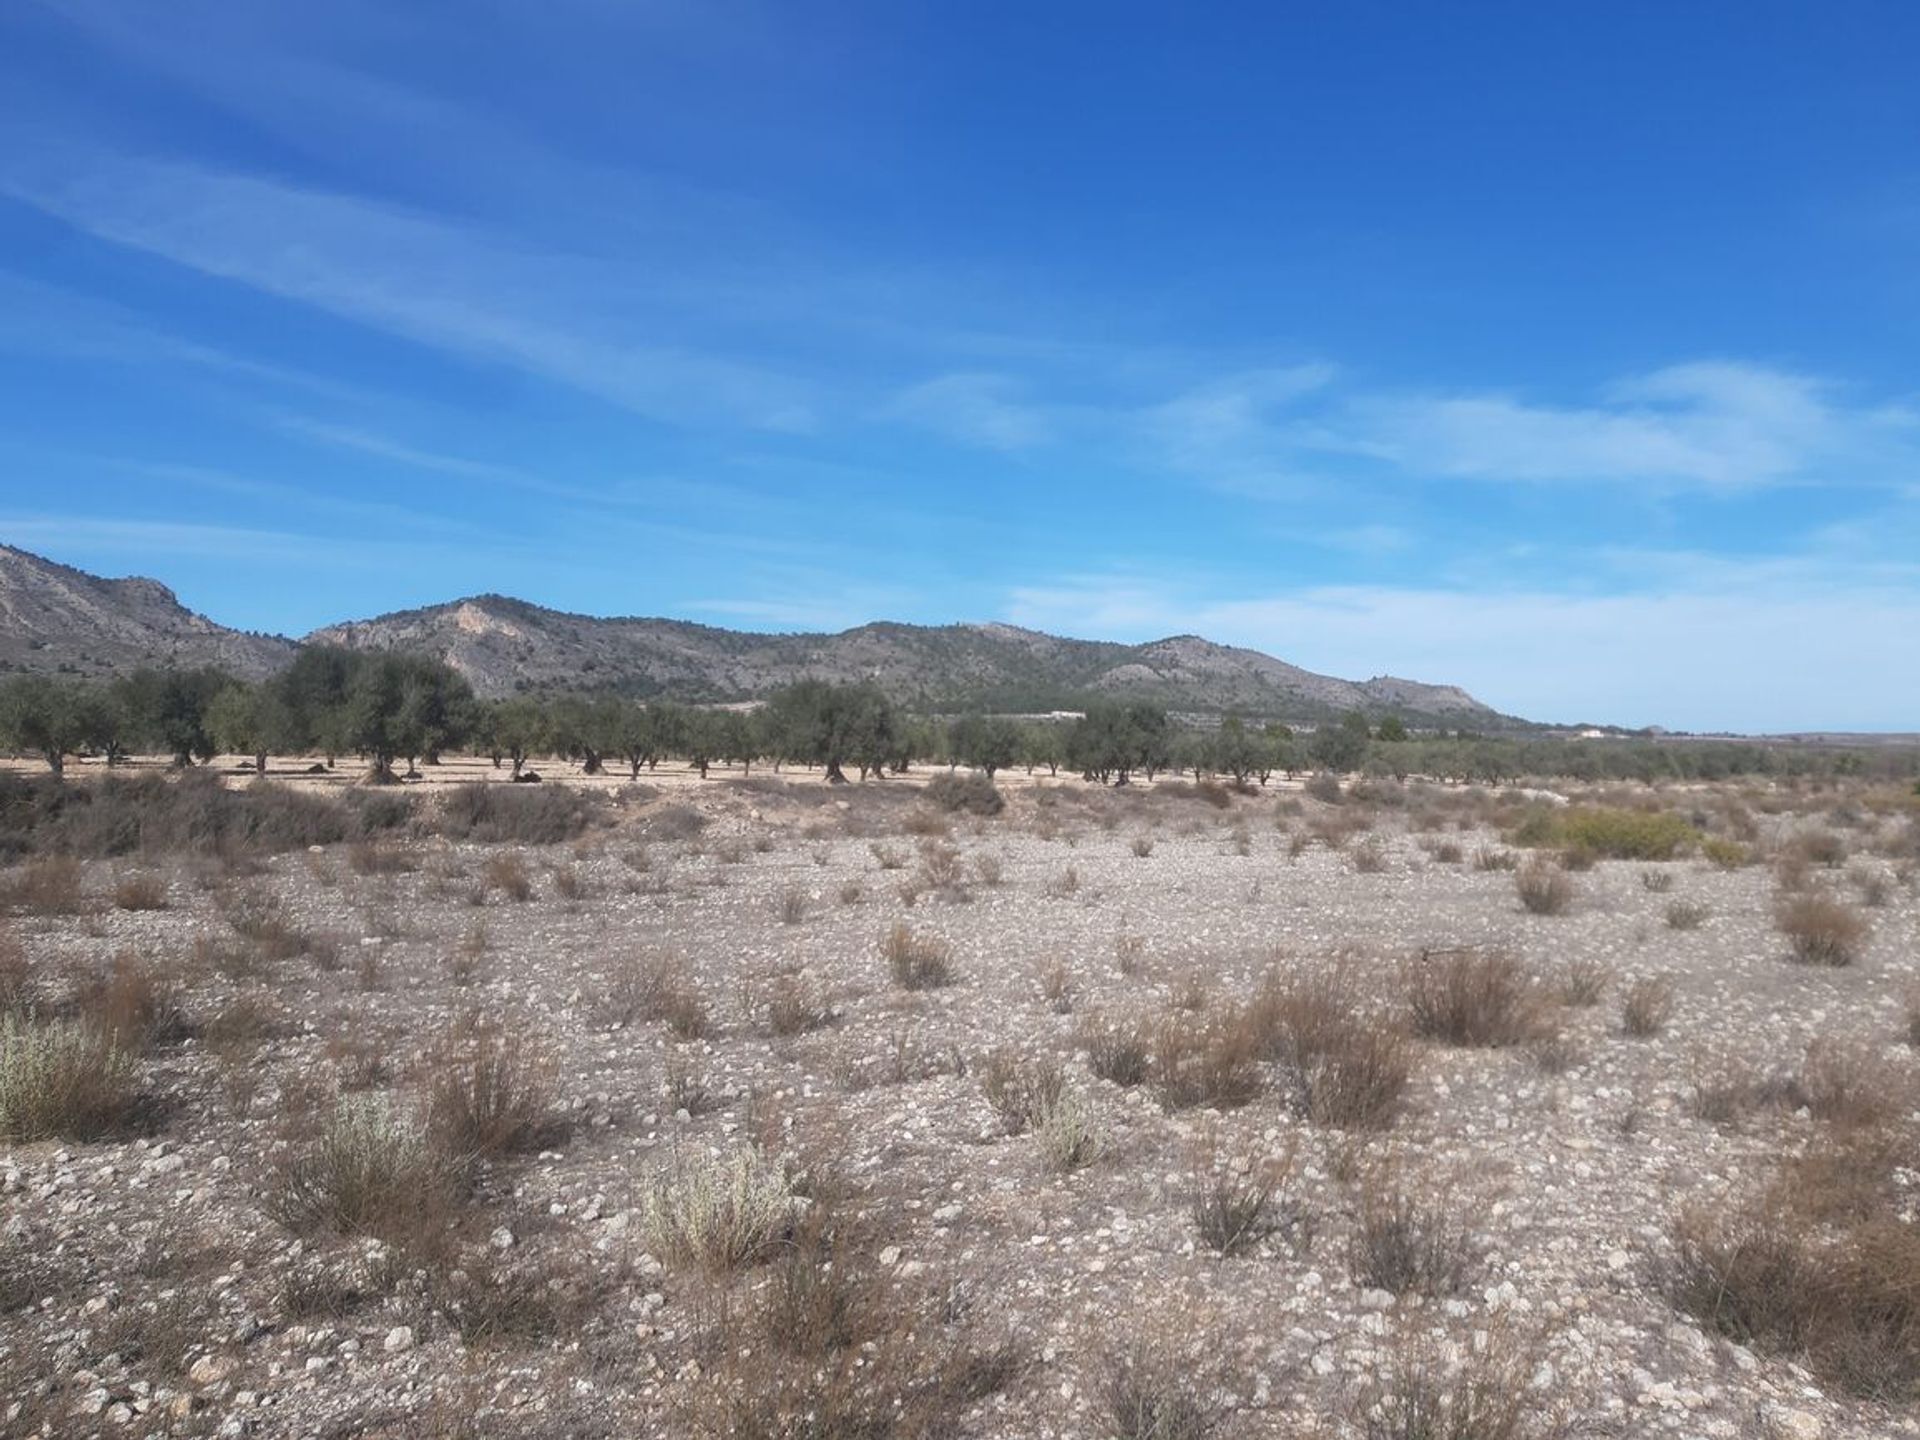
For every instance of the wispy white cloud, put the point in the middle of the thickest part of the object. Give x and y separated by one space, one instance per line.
974 409
1720 426
382 447
567 318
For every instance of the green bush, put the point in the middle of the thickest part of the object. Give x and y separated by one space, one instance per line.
1616 834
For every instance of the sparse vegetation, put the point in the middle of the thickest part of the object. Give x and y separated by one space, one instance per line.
917 962
721 1213
1474 996
64 1078
1822 930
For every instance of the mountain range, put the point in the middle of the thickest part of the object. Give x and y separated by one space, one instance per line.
56 619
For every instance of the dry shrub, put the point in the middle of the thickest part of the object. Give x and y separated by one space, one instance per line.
259 918
888 857
136 1004
1070 1134
491 1301
1369 857
142 890
927 824
1236 1208
1875 887
1147 1394
1021 1092
16 973
1583 980
49 886
1487 1395
719 1213
1407 1247
570 885
917 962
1725 854
367 857
1543 887
1348 1065
1056 988
536 814
1577 859
1647 1006
1142 846
1065 885
1822 930
1489 860
488 1092
684 1088
793 906
507 873
1846 1299
1819 847
1474 997
795 1007
1119 1052
1687 915
1851 1086
943 872
64 1078
1656 882
1207 1062
973 793
1130 954
1325 788
367 1172
655 988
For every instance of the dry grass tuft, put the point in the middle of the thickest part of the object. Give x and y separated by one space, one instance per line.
719 1213
65 1078
488 1093
136 1004
1583 981
1647 1007
1822 930
142 890
1118 1052
1207 1061
796 1007
1143 1394
1407 1247
1687 915
47 886
1544 888
1348 1065
506 872
1021 1092
1474 997
917 962
367 1172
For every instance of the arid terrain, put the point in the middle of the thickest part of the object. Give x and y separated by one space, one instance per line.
767 1108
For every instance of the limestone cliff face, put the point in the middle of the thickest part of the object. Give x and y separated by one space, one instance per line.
55 619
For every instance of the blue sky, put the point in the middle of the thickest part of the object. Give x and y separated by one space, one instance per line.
1565 352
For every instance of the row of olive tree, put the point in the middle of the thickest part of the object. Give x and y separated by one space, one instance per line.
387 708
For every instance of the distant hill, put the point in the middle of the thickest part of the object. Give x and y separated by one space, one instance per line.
58 620
503 645
55 619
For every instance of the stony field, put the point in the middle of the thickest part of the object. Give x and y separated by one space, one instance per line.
766 1108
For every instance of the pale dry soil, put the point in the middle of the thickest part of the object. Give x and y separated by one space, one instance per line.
1566 1182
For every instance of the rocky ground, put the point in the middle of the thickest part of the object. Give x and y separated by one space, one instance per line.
155 1283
